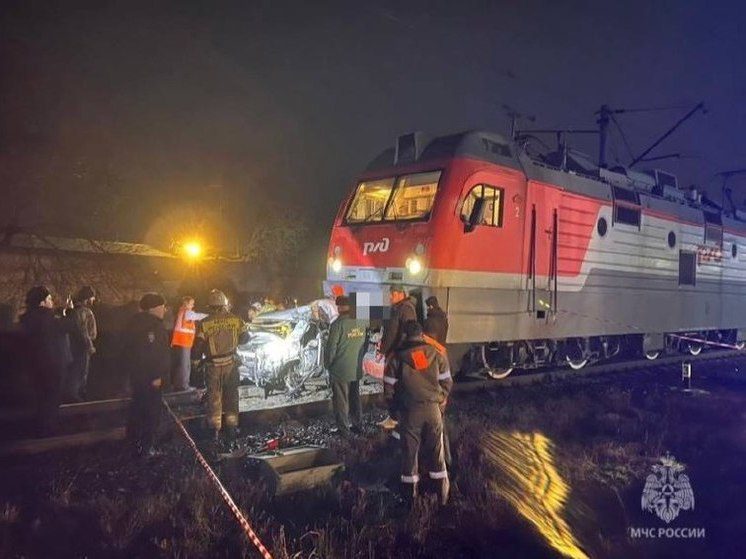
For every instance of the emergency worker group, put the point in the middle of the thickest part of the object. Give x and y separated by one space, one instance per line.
417 378
417 381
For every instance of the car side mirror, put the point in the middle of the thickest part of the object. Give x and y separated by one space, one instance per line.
476 215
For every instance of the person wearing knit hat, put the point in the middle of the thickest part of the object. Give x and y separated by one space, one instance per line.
38 295
151 301
146 354
436 323
81 344
47 337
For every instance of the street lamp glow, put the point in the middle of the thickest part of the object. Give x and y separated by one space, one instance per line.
193 249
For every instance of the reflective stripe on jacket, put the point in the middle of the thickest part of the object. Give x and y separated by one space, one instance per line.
184 330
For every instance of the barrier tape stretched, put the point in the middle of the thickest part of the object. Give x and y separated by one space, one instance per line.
253 538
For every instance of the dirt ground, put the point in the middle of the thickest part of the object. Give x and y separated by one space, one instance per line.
551 470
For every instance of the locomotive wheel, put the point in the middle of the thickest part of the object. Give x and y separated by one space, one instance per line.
694 348
498 373
576 357
652 355
576 364
494 372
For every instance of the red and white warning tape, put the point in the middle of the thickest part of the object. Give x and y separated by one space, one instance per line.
253 538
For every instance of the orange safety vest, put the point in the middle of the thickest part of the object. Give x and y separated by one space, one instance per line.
184 330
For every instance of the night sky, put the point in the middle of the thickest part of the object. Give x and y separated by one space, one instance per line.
288 100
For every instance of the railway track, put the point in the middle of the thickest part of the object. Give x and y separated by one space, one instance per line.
610 367
99 421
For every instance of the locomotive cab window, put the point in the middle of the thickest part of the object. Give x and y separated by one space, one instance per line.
413 197
403 198
491 205
626 206
370 201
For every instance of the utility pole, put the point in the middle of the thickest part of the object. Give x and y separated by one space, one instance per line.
514 115
604 117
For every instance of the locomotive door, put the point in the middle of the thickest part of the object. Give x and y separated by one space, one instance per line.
541 279
492 212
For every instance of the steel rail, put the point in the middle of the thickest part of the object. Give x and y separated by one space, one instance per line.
318 408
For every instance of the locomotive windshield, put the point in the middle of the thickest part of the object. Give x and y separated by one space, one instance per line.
403 198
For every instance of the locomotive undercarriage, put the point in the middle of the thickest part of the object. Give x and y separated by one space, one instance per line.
499 359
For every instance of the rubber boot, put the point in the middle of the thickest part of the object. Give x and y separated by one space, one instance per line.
213 444
229 437
444 489
409 493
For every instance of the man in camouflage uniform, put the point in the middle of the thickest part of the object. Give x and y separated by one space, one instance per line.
218 336
418 380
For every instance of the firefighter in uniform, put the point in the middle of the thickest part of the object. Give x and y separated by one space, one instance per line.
418 380
218 335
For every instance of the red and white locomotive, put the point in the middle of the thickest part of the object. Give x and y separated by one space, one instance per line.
541 259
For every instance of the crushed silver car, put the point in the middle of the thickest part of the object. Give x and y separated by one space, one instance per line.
286 349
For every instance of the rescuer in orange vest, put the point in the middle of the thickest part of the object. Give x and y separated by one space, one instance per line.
182 342
418 379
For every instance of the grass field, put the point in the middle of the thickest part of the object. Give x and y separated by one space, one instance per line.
543 471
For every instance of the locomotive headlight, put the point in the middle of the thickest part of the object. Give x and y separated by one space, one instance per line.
414 265
335 260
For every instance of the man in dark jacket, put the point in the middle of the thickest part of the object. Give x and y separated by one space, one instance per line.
81 344
402 311
147 356
47 338
343 358
418 379
437 321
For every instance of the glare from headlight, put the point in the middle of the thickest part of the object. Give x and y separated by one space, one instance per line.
337 265
414 266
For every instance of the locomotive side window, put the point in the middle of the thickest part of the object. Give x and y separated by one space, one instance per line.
626 206
413 197
602 227
492 214
370 201
713 228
